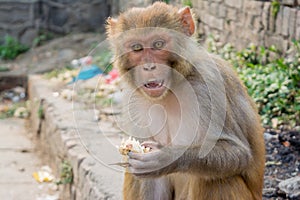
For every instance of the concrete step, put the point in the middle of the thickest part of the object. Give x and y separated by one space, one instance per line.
18 162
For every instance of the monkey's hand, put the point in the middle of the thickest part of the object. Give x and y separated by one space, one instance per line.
157 162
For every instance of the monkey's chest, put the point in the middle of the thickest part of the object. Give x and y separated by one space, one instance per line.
165 128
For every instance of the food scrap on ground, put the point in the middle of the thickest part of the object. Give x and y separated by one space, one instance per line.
43 175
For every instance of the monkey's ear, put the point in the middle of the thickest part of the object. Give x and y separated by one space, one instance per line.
111 25
187 21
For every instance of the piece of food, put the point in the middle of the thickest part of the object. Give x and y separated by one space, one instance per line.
132 145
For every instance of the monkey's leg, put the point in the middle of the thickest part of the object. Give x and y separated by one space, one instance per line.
147 188
180 182
232 188
131 187
157 188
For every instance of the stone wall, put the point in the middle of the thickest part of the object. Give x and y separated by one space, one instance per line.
241 22
236 21
124 5
23 19
63 137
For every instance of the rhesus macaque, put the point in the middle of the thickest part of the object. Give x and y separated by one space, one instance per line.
189 107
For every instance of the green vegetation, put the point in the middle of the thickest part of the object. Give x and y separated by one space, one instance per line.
272 80
11 48
42 38
275 6
8 113
103 60
105 101
187 3
59 71
66 173
4 69
9 110
40 112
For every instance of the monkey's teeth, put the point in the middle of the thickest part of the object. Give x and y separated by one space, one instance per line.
154 84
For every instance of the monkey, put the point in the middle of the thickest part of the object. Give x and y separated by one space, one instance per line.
188 106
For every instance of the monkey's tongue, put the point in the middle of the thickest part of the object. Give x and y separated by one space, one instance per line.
153 84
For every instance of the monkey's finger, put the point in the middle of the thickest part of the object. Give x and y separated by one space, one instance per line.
137 164
145 157
121 164
152 145
137 156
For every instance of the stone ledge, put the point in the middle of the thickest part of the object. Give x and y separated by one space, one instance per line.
59 140
12 79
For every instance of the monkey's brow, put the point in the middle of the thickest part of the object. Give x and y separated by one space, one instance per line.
146 37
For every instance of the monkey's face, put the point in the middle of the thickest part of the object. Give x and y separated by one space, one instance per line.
142 39
150 64
153 79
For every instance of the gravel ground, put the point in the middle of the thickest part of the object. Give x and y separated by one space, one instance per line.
282 163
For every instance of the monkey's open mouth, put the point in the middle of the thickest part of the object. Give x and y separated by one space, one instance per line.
154 88
154 84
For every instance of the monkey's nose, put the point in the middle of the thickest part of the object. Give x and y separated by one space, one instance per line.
149 67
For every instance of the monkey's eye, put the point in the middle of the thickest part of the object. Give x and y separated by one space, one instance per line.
158 44
137 47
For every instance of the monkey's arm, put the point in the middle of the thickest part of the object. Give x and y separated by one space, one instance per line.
228 157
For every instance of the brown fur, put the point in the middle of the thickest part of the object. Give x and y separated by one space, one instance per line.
140 18
233 169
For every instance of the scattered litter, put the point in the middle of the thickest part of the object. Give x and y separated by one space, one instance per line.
96 115
4 108
291 187
111 111
116 97
269 136
88 72
274 122
55 94
112 76
14 95
286 143
48 197
84 61
21 169
43 175
67 94
21 112
88 69
268 163
65 77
